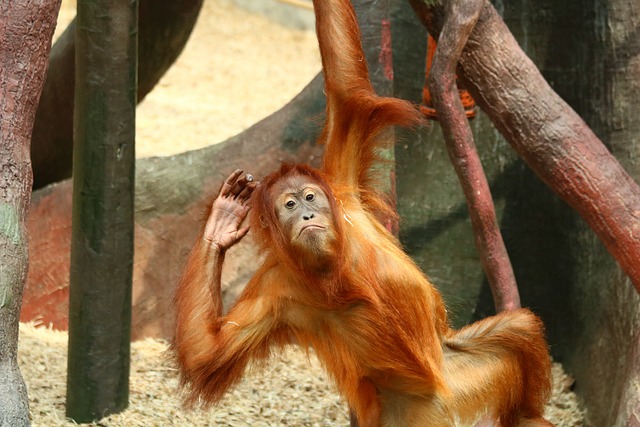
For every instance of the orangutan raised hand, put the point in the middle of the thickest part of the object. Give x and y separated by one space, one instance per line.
224 225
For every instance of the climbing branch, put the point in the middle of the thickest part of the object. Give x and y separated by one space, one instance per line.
546 132
460 19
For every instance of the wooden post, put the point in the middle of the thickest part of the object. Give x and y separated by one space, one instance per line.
102 236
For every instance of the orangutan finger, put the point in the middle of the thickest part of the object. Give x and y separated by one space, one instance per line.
241 184
230 182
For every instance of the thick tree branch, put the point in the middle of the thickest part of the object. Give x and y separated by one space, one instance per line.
552 139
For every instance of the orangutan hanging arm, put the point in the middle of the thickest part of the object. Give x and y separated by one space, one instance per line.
356 116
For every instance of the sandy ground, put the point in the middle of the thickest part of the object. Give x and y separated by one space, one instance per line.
236 69
292 391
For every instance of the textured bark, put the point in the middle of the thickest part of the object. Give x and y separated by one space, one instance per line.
102 236
608 376
590 55
165 27
547 133
460 19
26 29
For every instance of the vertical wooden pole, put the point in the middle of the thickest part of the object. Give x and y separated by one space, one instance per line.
102 234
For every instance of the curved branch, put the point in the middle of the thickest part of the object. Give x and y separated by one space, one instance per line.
165 27
461 18
545 131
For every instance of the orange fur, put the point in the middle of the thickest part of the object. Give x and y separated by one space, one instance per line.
374 320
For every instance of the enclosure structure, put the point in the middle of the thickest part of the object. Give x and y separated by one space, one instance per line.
590 57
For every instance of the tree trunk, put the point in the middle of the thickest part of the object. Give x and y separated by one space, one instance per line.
26 29
548 134
165 27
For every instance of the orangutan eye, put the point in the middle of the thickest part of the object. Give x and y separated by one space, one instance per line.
310 197
290 204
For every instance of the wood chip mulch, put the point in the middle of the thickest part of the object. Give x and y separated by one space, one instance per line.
293 390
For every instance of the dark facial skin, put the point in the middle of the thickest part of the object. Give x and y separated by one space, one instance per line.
305 214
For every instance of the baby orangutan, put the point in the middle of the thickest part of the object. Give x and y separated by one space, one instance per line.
334 279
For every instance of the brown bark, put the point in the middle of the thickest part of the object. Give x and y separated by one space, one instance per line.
164 28
554 141
26 29
460 19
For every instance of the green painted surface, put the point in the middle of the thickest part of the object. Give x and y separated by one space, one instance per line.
10 224
11 233
6 291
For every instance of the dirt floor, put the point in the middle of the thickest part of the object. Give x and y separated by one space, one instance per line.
236 69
